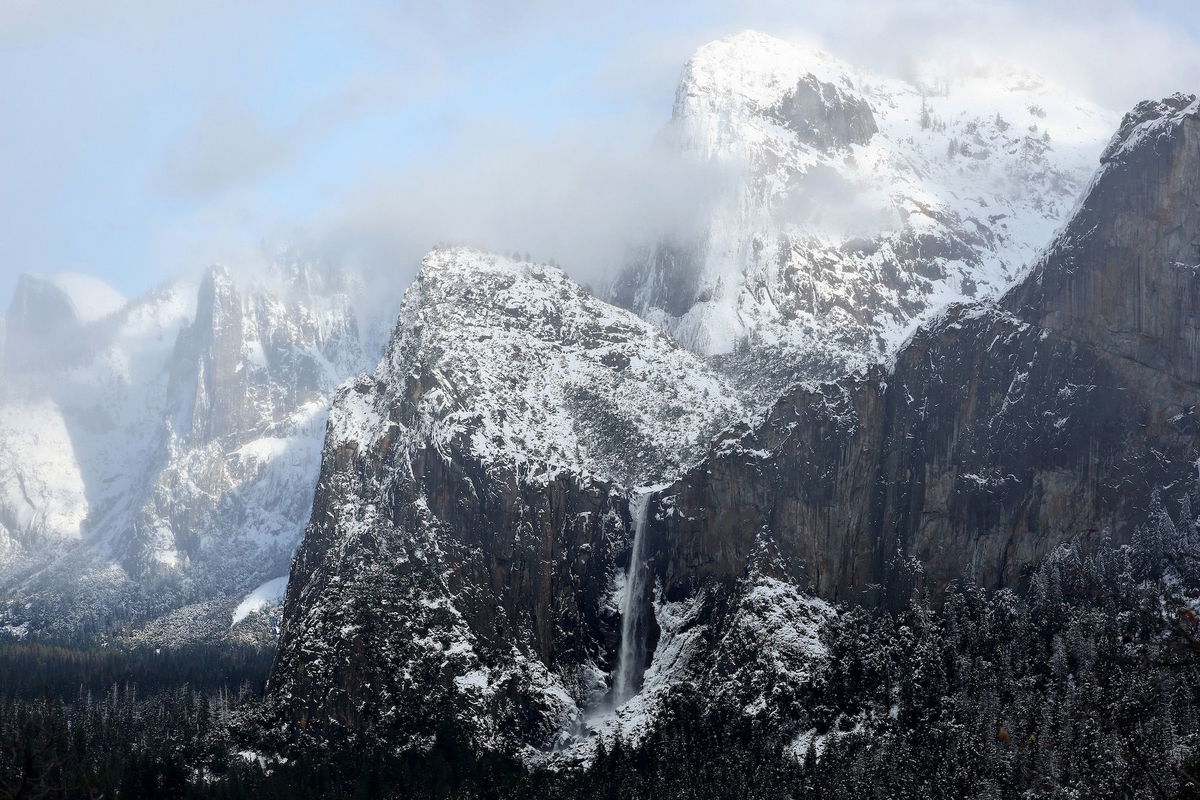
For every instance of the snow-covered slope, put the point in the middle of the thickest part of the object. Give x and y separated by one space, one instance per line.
862 202
544 376
78 404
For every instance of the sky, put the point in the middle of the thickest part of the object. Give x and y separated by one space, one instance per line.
142 139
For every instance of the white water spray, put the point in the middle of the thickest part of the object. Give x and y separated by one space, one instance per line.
631 658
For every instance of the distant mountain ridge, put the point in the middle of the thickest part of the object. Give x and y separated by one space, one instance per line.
162 455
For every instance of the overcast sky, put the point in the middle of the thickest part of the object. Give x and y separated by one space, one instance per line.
140 138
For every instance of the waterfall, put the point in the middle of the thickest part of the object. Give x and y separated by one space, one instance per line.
632 656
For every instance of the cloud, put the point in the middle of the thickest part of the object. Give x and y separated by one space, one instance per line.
227 147
582 197
376 129
1114 52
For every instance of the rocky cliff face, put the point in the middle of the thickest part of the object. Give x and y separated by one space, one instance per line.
470 530
859 204
1003 429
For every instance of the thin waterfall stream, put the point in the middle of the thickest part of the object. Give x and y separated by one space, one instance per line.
631 657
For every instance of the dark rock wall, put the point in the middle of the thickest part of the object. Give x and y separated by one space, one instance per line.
824 116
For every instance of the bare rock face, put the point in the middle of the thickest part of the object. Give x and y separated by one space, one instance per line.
1124 280
1003 429
825 116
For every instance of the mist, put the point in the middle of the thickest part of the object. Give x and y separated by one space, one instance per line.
582 200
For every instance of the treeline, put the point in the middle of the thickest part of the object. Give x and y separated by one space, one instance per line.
37 670
149 723
124 723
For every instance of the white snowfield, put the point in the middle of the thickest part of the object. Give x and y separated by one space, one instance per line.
269 594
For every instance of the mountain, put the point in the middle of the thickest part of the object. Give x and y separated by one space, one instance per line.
464 571
881 484
463 564
166 449
855 204
161 453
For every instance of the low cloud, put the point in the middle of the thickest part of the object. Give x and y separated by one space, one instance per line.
227 147
582 198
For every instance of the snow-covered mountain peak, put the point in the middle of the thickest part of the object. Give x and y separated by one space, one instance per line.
532 371
861 203
477 479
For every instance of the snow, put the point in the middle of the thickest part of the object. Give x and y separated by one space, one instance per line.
534 373
841 252
42 490
264 449
1148 120
268 594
